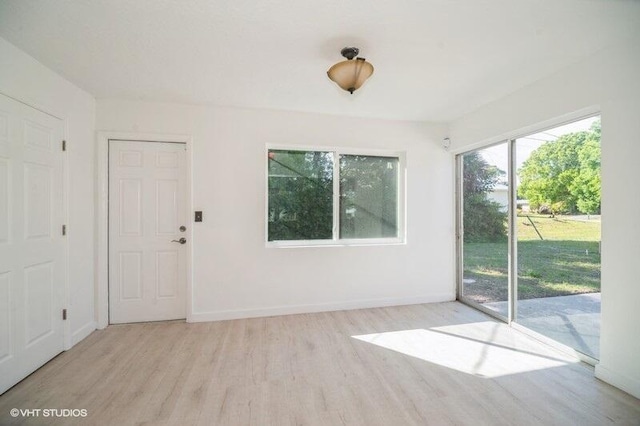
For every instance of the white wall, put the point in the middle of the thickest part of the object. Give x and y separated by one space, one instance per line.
235 275
25 79
609 82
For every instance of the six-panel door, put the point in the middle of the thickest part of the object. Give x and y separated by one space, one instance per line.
32 248
147 208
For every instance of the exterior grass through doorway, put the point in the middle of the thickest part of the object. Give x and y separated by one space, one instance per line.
566 261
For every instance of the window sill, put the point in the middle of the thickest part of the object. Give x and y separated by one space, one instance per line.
363 242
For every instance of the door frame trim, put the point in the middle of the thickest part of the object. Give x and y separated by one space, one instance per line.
102 216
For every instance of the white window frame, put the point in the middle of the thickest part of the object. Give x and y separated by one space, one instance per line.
335 241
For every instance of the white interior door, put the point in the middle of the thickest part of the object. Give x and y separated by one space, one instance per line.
32 248
147 218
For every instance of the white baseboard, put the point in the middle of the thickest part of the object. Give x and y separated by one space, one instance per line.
83 332
621 381
320 307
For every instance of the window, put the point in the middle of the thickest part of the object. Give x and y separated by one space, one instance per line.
300 195
368 196
333 197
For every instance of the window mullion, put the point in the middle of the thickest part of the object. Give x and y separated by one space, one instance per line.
336 195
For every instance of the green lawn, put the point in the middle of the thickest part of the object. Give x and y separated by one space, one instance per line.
566 262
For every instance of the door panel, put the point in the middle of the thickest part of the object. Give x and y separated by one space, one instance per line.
32 248
37 204
38 285
4 200
558 234
5 318
130 207
130 266
168 267
485 247
147 206
166 207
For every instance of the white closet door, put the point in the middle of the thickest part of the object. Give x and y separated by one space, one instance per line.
32 248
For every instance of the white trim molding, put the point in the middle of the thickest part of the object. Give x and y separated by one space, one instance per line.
320 307
621 381
83 332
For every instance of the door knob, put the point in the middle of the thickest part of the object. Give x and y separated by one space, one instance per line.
181 241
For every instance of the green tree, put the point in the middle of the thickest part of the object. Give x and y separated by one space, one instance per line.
564 174
300 195
483 219
368 196
586 187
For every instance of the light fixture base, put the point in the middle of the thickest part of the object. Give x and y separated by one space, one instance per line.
350 52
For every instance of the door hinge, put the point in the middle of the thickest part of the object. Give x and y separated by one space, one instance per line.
64 314
64 145
64 229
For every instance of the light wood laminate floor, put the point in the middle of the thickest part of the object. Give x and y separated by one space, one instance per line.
412 365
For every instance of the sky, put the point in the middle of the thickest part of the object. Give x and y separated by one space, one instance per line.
498 155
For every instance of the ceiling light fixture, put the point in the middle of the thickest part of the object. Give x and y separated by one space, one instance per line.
352 73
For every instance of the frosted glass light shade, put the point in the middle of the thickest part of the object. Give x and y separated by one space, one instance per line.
350 75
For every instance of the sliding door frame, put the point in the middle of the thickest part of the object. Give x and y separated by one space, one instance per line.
512 235
460 236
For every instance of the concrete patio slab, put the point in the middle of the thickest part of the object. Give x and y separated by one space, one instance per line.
572 320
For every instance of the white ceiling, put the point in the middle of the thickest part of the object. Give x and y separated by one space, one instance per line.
434 59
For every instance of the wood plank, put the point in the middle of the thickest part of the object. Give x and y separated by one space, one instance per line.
422 364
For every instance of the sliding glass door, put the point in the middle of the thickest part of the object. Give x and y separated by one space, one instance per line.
558 234
484 252
552 199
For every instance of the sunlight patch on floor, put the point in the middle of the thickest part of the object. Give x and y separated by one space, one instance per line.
456 348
